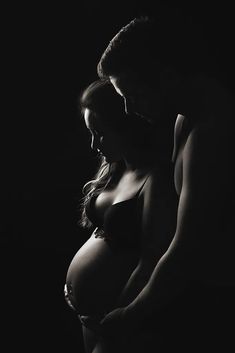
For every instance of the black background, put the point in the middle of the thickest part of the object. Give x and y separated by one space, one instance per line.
49 54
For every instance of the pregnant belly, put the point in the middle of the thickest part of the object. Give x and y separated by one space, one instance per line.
97 275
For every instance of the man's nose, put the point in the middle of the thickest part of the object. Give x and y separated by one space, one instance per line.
94 144
129 108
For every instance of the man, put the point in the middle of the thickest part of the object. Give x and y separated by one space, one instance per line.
166 72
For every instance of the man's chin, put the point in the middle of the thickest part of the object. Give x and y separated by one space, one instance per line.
146 117
107 159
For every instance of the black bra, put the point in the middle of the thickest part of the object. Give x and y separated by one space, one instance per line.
121 224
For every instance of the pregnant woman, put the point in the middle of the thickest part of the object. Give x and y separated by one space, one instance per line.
133 184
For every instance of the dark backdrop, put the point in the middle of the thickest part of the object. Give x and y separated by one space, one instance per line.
50 53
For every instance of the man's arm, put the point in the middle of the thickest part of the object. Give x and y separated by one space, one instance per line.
158 225
192 251
201 199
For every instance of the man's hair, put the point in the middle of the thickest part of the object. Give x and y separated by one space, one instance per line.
146 44
125 50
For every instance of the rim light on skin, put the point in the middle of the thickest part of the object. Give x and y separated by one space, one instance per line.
107 146
94 133
116 82
136 99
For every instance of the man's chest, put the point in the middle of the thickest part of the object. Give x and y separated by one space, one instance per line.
181 134
178 171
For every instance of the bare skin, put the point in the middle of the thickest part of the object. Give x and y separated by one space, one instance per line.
133 269
101 279
203 244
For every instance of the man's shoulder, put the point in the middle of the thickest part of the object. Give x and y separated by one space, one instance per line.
210 135
209 151
200 133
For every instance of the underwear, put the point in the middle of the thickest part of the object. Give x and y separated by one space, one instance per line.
121 223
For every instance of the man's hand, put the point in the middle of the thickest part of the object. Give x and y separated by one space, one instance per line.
113 323
91 322
119 322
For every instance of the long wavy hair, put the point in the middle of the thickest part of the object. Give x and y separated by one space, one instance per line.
101 98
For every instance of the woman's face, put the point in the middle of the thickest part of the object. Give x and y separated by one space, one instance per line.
103 139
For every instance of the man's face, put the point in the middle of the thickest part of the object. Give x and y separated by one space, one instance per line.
138 97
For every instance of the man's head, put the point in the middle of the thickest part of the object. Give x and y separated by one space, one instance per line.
128 50
148 59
